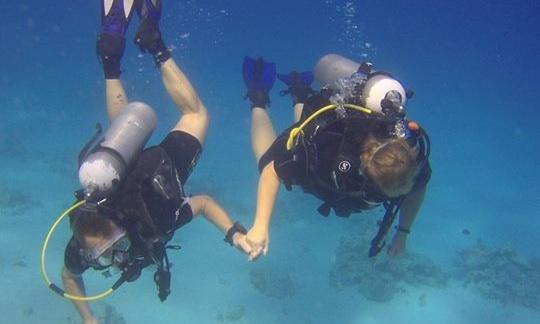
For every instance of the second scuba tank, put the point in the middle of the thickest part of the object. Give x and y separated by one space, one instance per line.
333 67
378 90
108 163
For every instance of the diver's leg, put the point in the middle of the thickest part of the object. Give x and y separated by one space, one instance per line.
115 17
115 97
262 132
194 119
259 77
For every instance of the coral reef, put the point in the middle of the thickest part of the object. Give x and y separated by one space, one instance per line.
501 275
12 147
233 314
381 278
109 315
105 314
273 284
14 202
63 163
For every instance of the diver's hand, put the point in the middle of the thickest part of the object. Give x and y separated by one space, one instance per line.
240 242
397 247
90 320
258 241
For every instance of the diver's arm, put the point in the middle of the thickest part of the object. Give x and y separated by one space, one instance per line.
268 188
410 208
213 212
407 215
74 285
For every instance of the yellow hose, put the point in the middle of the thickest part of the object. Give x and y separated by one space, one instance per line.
51 285
300 129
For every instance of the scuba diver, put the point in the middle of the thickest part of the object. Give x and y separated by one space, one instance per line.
132 199
351 146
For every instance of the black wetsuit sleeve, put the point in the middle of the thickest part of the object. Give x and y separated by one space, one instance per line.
287 167
291 167
72 258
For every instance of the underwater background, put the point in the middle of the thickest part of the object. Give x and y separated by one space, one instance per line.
473 254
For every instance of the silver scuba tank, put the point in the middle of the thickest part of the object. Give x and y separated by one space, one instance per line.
107 165
376 88
333 67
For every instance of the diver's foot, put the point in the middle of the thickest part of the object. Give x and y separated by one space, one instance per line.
148 36
110 49
110 44
299 85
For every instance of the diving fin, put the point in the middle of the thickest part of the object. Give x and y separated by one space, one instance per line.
149 9
115 16
297 78
258 74
259 77
148 35
299 85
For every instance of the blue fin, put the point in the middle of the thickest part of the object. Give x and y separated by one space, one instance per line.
296 78
115 16
149 9
258 74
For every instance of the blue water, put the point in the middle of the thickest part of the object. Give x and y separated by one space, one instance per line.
474 67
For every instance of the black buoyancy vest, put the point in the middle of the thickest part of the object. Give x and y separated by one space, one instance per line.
151 196
329 154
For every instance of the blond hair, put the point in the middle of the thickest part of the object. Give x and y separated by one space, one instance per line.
391 164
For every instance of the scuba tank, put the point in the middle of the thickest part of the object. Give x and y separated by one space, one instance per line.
103 168
377 91
332 67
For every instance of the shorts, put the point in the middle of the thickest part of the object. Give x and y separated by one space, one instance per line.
184 150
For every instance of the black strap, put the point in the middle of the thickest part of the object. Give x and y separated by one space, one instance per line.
378 241
236 228
162 277
90 144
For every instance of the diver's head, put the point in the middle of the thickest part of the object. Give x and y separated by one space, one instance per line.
103 242
391 164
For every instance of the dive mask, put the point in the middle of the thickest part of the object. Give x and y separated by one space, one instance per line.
114 252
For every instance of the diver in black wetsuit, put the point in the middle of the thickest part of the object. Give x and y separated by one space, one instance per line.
129 227
351 146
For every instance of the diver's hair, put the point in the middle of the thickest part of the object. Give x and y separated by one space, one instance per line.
391 164
87 223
